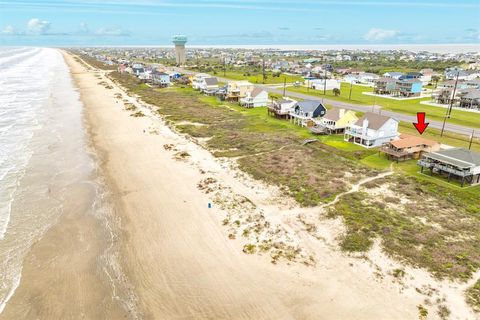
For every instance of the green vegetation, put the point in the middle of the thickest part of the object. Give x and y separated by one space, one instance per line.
258 77
473 296
254 75
382 64
410 107
427 224
93 62
422 220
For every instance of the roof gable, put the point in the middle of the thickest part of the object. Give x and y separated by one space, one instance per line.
310 105
375 121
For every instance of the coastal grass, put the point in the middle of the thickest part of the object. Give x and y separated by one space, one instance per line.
94 62
424 221
473 296
411 107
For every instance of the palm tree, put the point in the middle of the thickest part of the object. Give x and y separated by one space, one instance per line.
336 92
435 79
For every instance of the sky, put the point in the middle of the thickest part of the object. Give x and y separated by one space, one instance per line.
245 22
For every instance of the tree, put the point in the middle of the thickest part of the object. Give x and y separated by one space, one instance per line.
336 92
435 80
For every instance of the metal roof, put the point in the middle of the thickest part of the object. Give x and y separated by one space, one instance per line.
211 81
458 157
309 105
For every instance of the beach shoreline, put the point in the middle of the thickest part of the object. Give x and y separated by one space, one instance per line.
171 256
176 254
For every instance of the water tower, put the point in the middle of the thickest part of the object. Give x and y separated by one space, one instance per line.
179 41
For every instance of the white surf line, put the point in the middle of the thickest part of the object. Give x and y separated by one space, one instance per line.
15 285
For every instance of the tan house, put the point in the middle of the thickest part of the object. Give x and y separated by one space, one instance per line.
409 147
238 89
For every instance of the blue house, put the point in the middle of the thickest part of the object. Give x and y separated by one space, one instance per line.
304 112
160 78
138 69
411 75
409 87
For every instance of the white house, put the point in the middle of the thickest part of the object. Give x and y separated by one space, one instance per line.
368 78
255 98
281 108
197 80
320 84
361 78
393 75
208 85
372 130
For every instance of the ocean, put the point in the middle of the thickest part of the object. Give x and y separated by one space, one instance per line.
44 160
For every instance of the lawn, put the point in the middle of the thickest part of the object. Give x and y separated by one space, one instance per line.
410 107
256 77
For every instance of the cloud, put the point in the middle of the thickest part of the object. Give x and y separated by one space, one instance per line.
112 32
37 26
83 28
9 30
322 37
472 34
284 28
377 34
253 35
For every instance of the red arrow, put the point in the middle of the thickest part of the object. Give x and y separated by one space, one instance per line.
421 125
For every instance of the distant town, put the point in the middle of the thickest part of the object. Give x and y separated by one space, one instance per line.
395 74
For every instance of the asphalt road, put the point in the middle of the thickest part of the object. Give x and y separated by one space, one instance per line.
455 128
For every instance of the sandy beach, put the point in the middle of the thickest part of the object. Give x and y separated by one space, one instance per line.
175 257
176 253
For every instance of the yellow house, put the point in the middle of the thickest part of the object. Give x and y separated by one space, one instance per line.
335 121
238 89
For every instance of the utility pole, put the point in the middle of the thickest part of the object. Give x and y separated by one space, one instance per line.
471 139
284 85
224 66
449 109
263 69
453 96
325 82
350 94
